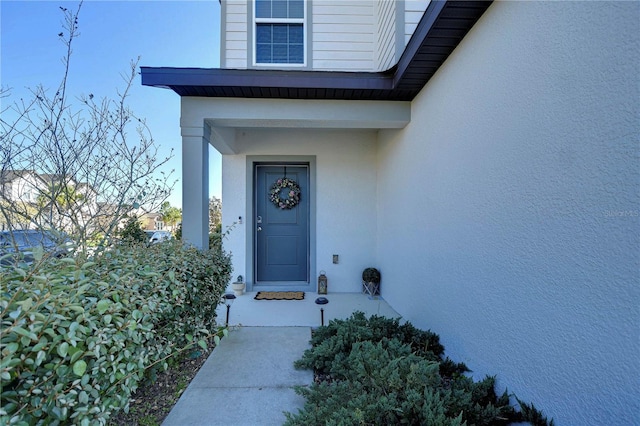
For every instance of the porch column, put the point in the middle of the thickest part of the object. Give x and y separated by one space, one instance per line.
195 186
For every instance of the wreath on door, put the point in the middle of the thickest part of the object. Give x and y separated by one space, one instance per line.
292 191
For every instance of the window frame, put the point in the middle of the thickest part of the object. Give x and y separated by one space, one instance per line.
254 37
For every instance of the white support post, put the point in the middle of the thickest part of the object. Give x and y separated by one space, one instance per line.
195 186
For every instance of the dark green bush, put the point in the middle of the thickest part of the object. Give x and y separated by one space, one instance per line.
338 337
77 339
132 233
376 372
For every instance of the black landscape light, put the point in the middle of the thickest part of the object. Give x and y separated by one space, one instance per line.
228 301
321 301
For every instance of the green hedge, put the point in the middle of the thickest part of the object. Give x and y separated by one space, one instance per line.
378 372
78 339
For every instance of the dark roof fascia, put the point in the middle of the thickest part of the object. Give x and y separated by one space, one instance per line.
441 28
174 77
417 38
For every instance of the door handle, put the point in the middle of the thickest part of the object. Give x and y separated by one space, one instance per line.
259 228
259 220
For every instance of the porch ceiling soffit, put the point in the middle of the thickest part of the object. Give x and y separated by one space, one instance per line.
225 115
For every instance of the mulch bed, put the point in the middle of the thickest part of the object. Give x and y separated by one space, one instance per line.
152 402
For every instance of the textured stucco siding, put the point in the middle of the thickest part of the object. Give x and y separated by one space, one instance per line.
345 217
343 35
508 209
234 34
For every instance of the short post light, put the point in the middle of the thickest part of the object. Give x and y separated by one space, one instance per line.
228 301
321 301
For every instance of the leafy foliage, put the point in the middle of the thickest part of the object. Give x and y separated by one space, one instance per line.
371 275
215 215
378 371
338 337
79 337
132 232
170 215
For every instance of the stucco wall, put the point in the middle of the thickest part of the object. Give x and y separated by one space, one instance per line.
508 209
345 197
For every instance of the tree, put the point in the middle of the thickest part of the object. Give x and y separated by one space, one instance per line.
132 232
170 215
87 149
215 214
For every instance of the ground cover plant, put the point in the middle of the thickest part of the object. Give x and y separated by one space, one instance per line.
79 337
377 371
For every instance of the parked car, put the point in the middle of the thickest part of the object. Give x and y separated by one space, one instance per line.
160 236
23 241
149 234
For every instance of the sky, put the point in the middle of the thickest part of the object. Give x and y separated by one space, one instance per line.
112 34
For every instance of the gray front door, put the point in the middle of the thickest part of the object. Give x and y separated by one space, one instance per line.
281 235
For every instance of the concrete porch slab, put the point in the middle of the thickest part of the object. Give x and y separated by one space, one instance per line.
284 313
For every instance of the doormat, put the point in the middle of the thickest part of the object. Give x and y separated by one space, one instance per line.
280 295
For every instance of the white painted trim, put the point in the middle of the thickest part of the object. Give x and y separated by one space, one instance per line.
294 113
305 38
224 115
195 187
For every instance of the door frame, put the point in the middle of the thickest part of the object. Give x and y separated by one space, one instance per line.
250 261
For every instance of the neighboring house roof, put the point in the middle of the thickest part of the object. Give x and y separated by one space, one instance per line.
11 175
442 27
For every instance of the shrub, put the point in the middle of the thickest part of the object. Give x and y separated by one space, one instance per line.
380 372
77 339
132 232
332 341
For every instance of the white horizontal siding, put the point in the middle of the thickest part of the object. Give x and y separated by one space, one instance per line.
413 11
234 27
236 17
342 55
237 54
237 27
237 7
343 35
342 47
338 37
343 8
236 45
236 35
347 34
236 63
385 34
350 65
364 30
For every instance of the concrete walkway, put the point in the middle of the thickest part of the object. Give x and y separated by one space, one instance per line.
247 380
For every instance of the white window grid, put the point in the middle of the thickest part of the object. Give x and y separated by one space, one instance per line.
302 21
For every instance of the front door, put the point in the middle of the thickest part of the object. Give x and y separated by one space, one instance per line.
281 224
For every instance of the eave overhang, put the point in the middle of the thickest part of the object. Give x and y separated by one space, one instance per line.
442 27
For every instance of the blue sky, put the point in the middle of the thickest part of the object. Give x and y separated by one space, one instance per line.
112 33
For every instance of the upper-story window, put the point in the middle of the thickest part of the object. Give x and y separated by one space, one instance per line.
279 31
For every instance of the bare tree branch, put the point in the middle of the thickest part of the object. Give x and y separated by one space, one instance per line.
77 169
